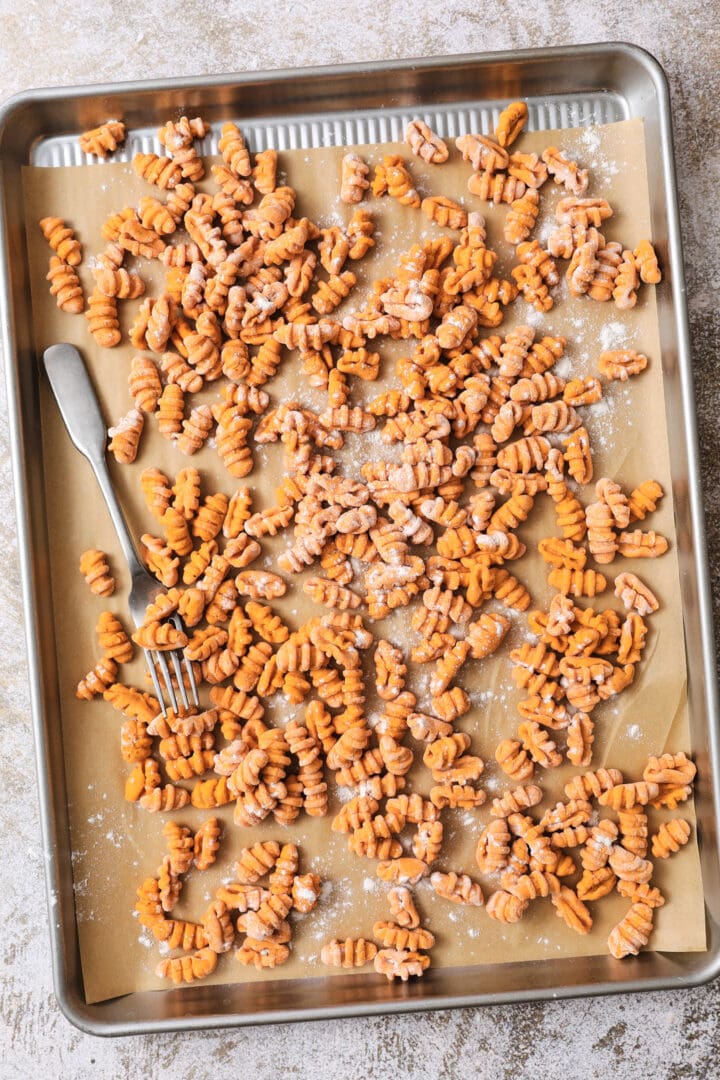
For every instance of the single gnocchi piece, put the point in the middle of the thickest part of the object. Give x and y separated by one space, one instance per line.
195 429
511 122
577 583
217 927
306 887
521 217
328 593
529 169
156 216
533 288
483 154
102 319
97 679
425 144
670 837
187 969
264 172
262 954
593 784
400 964
257 861
641 545
125 436
234 151
444 211
675 769
159 635
350 953
493 847
95 569
138 240
402 871
392 936
65 286
632 932
62 240
390 670
206 843
647 263
565 172
103 140
393 178
495 187
578 456
402 907
620 364
354 178
144 383
112 638
569 907
583 269
635 595
459 889
643 500
504 907
516 801
626 283
624 796
514 760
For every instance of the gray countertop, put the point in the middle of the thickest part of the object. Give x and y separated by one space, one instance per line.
662 1036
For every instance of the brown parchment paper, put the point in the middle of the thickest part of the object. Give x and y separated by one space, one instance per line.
115 845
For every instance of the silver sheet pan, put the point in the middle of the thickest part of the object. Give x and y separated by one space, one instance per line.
564 87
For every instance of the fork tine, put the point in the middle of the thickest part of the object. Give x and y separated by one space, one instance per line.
191 676
161 660
179 676
179 625
156 682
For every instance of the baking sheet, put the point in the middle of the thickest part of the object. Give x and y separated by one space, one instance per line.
116 845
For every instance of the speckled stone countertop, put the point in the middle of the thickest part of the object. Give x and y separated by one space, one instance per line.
664 1036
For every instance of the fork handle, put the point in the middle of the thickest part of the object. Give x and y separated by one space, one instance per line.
80 410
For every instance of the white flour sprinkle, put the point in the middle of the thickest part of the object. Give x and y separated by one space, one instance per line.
614 335
326 890
590 140
531 317
545 230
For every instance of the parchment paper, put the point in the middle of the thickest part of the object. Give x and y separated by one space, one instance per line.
116 845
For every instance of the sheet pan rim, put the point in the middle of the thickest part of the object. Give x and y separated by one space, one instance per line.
178 83
85 1016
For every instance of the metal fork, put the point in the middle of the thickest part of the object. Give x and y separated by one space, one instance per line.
80 410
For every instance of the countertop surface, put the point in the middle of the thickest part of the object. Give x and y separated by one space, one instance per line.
664 1036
